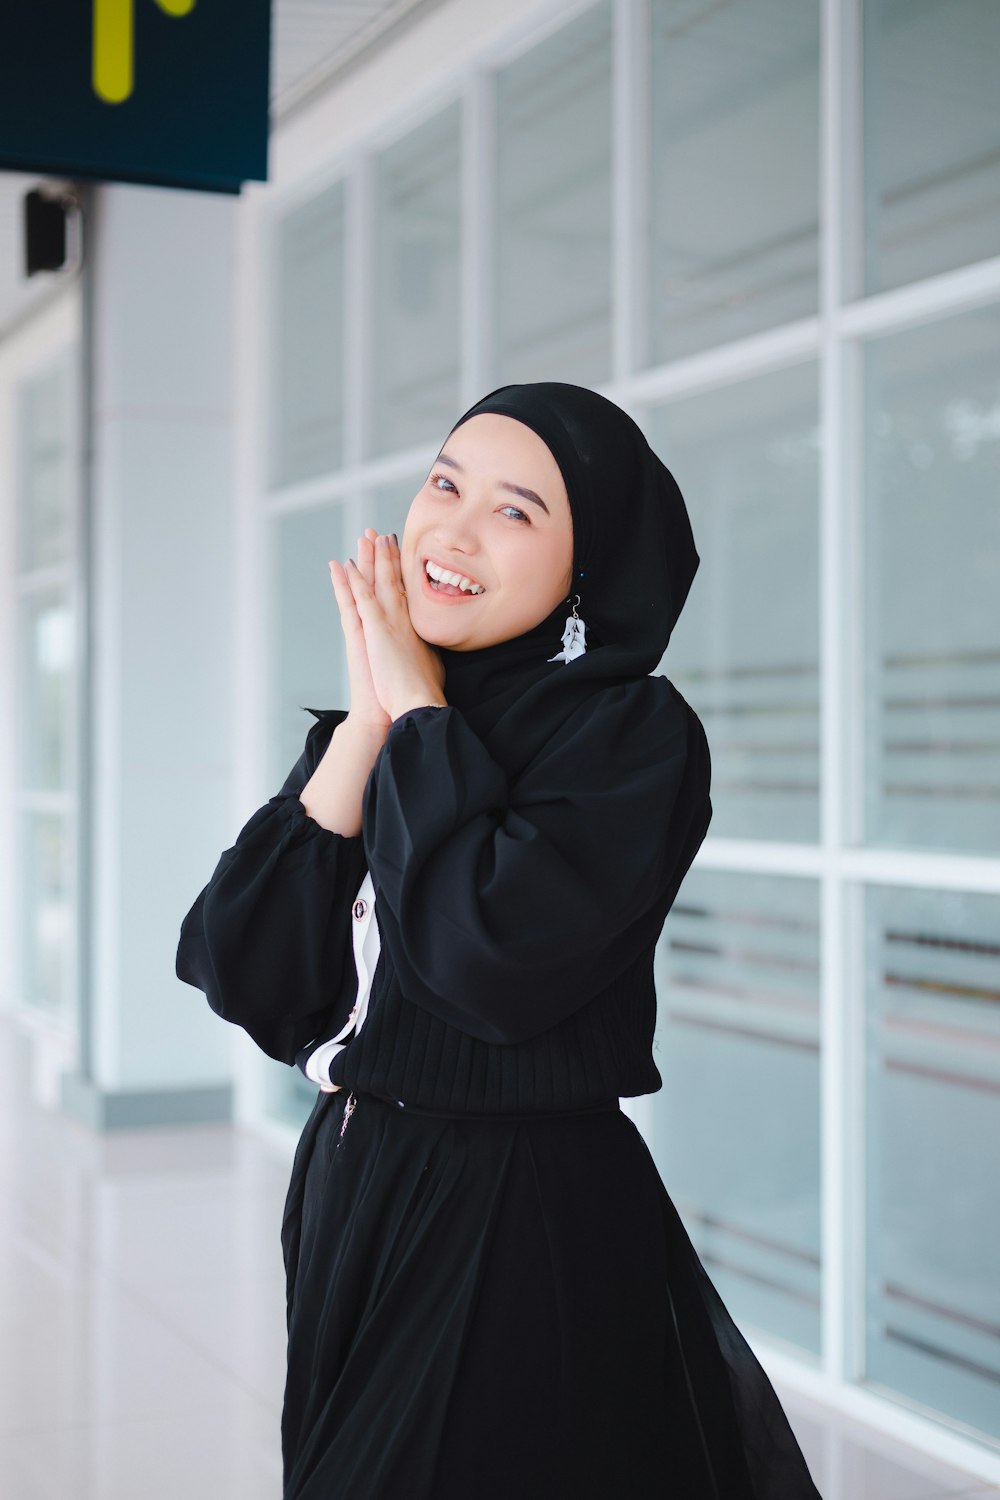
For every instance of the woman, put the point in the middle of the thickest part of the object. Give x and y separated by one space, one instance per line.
489 1290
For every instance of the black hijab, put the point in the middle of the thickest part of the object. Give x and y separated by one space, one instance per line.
634 560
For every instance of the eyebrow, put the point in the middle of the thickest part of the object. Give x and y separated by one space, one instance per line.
514 489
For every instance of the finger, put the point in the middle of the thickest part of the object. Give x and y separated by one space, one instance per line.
362 592
369 605
373 536
366 555
340 579
386 587
349 617
341 585
397 566
399 582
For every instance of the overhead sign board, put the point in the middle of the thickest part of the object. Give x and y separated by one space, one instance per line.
167 92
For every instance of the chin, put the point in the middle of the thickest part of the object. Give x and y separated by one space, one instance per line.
434 631
449 643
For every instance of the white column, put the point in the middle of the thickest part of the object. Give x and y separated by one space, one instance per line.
159 319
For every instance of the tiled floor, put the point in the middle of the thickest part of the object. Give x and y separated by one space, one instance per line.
142 1322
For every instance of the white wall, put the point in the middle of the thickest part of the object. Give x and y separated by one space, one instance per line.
163 637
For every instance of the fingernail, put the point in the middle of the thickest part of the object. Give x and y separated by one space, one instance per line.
383 541
350 562
395 539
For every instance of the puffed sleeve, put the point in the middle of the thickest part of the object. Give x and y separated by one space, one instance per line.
269 937
506 907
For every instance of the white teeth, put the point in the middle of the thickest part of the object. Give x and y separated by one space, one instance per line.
457 580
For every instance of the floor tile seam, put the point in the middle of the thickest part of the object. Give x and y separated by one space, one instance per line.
113 1282
107 1272
845 1427
26 1239
144 1302
211 1412
110 1261
51 1225
942 1487
937 1493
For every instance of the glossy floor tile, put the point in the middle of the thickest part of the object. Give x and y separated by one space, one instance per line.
142 1322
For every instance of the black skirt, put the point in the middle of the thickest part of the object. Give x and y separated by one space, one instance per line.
481 1306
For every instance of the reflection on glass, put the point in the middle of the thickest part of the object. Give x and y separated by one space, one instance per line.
734 170
47 915
933 1135
308 660
307 340
417 295
553 211
746 649
736 1125
933 585
45 426
932 137
48 646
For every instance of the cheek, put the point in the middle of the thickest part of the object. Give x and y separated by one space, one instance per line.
539 574
411 525
414 527
558 568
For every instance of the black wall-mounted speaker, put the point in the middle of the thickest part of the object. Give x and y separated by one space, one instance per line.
44 232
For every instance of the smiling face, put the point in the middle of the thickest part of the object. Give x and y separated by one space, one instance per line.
493 511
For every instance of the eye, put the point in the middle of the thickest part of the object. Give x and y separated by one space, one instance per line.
443 478
518 513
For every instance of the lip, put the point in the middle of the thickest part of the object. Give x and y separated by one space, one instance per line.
446 598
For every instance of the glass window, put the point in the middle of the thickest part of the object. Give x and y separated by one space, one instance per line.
417 300
933 1134
288 1095
734 170
746 649
390 503
932 137
307 340
47 917
47 478
48 645
553 210
736 1125
309 662
933 582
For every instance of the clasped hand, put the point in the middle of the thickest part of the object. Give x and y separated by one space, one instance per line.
390 667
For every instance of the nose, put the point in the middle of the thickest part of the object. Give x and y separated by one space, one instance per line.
457 533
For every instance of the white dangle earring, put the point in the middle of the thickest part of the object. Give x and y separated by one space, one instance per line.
573 637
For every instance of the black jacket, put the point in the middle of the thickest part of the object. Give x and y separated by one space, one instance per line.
518 923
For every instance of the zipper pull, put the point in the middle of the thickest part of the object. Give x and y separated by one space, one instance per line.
348 1112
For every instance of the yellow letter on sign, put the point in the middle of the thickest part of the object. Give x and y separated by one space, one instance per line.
114 52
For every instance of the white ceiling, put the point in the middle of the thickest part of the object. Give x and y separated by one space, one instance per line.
311 41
